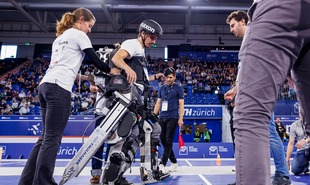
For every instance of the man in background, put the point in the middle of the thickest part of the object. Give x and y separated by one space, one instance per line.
170 107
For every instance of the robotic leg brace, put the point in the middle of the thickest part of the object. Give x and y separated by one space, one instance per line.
99 136
123 153
149 170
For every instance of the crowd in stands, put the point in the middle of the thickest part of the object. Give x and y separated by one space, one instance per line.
203 82
10 63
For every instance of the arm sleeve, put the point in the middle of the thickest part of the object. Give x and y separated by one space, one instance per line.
90 52
292 131
180 92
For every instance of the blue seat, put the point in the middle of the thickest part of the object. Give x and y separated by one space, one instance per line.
37 110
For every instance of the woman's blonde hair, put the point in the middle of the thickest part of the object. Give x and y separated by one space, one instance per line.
69 19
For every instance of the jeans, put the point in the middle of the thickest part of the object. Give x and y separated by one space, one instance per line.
168 128
300 163
277 149
55 110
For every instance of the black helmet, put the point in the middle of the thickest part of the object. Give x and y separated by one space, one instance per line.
151 27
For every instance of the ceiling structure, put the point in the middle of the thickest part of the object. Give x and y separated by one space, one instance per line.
181 18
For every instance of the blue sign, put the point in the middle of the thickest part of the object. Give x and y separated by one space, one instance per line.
286 107
32 125
204 150
68 150
202 112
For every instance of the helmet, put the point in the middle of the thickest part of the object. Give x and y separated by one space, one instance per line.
151 27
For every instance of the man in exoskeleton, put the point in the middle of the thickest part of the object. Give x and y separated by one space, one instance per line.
130 58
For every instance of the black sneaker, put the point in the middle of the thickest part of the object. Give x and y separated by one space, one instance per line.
159 175
232 183
122 181
281 180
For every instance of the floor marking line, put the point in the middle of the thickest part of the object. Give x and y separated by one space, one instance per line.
204 179
188 163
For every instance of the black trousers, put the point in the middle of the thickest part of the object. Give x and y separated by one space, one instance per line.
55 105
168 128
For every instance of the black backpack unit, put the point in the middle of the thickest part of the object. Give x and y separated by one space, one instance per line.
112 83
105 54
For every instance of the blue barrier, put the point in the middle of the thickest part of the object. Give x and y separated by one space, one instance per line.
68 150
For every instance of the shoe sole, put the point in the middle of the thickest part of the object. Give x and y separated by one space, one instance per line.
164 177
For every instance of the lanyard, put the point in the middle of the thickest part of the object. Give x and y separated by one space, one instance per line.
167 90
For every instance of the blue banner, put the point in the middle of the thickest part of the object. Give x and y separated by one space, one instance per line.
204 150
189 150
68 150
32 125
202 112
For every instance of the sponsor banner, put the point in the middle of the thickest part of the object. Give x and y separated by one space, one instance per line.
204 150
203 112
68 150
189 150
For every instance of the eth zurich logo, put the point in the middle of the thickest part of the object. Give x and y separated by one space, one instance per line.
183 150
34 129
213 150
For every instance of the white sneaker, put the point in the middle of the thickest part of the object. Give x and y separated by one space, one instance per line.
162 168
173 167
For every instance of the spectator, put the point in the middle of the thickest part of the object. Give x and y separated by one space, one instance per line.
8 110
280 129
24 110
84 105
197 135
207 135
2 104
15 105
22 94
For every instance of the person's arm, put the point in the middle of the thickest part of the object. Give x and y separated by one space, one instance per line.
229 95
157 106
118 60
289 151
94 88
181 111
90 52
156 76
